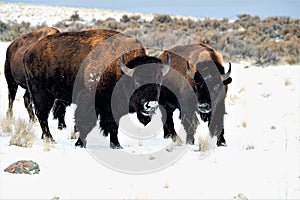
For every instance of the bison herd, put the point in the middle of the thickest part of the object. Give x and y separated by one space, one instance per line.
60 68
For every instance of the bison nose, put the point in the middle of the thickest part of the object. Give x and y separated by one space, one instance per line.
150 105
204 108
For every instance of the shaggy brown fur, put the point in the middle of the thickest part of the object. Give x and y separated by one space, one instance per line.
14 69
199 57
55 62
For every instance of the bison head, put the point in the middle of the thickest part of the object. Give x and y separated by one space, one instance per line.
145 75
211 87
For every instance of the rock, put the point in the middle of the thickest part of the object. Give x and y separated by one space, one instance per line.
151 158
273 127
249 147
240 196
23 167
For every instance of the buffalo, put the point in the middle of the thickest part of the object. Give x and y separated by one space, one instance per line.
201 66
83 68
15 72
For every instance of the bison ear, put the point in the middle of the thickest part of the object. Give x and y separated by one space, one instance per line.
124 68
166 67
226 77
191 73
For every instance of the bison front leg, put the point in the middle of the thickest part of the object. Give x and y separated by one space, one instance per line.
190 123
221 140
167 118
12 88
114 141
216 124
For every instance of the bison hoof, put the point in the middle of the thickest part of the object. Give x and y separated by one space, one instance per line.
221 142
79 143
48 140
61 126
114 146
176 139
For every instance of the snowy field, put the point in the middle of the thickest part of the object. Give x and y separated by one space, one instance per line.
39 14
261 161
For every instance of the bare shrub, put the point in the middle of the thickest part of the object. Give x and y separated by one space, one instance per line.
23 136
162 18
290 59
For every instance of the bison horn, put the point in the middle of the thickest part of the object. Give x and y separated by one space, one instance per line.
124 68
191 73
224 77
166 66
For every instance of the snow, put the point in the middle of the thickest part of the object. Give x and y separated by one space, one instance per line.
261 161
50 15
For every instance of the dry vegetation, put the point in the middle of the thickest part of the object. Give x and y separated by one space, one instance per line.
6 126
23 135
270 41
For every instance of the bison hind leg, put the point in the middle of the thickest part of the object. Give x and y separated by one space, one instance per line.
29 107
59 111
111 128
85 119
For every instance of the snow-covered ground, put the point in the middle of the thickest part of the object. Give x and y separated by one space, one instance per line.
261 161
38 14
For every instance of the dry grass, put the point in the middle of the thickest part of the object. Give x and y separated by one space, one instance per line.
232 99
166 186
74 135
287 82
201 144
6 126
242 90
244 124
23 136
142 197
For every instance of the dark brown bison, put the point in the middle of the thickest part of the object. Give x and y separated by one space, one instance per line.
87 65
201 65
15 72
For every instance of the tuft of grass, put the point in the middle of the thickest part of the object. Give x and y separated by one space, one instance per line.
166 186
6 126
142 197
201 143
74 135
233 99
244 124
287 82
23 136
241 90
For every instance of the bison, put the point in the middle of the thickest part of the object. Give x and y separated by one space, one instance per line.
15 73
83 68
201 65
